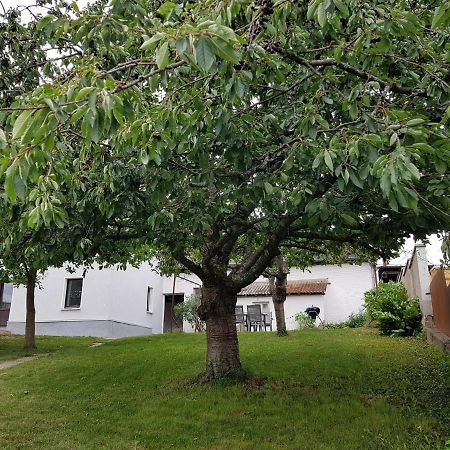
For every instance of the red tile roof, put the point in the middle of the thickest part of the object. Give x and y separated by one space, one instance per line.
294 287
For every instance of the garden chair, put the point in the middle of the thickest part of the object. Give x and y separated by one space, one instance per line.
240 317
267 318
254 317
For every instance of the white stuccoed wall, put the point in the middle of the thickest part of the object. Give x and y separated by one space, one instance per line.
345 291
113 301
344 294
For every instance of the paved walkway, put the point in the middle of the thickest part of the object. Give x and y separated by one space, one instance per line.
15 362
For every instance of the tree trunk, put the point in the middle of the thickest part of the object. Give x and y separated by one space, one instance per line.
280 318
217 310
30 325
278 286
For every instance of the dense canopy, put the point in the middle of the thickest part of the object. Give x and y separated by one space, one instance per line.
220 131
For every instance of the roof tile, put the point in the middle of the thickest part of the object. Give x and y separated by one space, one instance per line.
294 287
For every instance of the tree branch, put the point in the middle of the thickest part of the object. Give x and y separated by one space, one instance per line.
328 62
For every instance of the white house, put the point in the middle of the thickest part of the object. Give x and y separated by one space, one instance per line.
337 290
114 303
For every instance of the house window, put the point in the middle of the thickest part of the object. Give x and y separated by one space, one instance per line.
74 288
149 299
264 307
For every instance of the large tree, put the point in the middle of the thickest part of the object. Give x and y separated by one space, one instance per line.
217 131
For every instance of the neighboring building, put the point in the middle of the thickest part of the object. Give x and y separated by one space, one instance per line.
104 302
337 290
416 278
6 291
113 303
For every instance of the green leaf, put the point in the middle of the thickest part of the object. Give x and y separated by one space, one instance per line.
328 160
316 162
3 140
268 188
342 8
78 113
224 50
345 175
322 15
440 16
151 43
204 57
413 170
312 9
393 202
393 139
414 122
239 87
349 220
166 9
10 175
423 146
162 56
441 166
84 92
21 124
44 22
355 180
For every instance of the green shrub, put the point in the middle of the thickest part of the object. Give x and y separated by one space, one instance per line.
394 312
356 320
304 321
187 310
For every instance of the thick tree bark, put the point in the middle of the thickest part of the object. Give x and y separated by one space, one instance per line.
30 325
278 286
280 318
217 310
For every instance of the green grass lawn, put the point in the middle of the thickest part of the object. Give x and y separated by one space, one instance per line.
11 347
337 389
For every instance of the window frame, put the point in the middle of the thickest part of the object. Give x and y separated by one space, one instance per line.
66 290
149 300
265 305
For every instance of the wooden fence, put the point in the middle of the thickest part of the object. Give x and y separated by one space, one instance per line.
440 298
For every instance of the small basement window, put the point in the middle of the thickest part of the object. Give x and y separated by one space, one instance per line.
149 299
74 288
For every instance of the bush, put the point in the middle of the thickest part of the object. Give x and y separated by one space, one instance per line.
356 320
394 312
304 321
187 310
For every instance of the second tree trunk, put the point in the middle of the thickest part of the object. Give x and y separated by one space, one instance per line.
30 324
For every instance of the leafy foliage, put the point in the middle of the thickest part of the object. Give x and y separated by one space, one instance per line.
216 132
356 320
187 310
304 321
392 309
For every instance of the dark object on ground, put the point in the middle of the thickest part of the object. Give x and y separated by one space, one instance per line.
312 311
